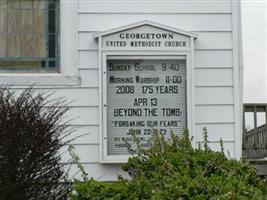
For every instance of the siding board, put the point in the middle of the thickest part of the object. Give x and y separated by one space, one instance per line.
75 96
87 41
189 6
229 148
209 58
87 153
89 78
213 77
83 116
214 40
84 135
97 171
188 22
215 132
214 114
79 97
214 95
88 59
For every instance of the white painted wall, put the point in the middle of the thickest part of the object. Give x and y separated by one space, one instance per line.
214 64
216 69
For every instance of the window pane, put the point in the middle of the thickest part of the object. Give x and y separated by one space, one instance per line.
13 21
26 21
3 40
40 46
39 21
13 46
3 19
51 4
27 4
261 118
3 4
51 21
51 44
39 4
12 4
27 46
249 121
52 64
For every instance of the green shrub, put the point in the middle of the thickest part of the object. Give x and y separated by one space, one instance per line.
175 170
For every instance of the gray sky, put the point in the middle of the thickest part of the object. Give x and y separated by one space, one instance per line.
254 24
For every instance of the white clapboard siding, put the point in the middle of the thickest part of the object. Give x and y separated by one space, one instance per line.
89 78
42 80
215 132
87 41
213 77
214 40
189 6
72 96
214 114
188 22
229 148
79 96
75 96
88 59
214 95
209 58
84 135
101 172
206 40
83 116
87 153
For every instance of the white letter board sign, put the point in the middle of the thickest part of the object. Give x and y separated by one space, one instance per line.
141 95
144 84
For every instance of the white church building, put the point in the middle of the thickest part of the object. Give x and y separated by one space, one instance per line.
130 65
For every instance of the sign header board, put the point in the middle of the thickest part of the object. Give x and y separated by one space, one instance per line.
146 37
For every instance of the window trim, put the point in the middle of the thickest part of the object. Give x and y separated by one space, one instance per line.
68 68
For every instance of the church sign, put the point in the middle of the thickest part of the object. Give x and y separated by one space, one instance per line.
146 37
145 85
